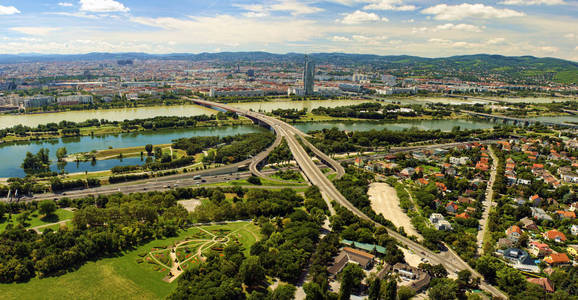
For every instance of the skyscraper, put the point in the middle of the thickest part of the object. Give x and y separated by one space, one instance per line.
308 76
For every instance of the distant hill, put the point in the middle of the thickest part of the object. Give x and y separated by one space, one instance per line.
512 68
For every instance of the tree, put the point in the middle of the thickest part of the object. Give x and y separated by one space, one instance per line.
511 280
351 277
283 292
158 152
2 210
254 180
251 271
47 207
437 271
391 290
444 289
374 289
313 291
405 293
61 153
149 149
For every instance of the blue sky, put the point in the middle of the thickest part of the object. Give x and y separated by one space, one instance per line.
385 27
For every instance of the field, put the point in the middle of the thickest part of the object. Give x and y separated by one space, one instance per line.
118 277
37 220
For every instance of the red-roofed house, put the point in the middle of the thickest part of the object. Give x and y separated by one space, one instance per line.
545 283
555 235
463 215
452 207
566 214
556 259
514 233
539 249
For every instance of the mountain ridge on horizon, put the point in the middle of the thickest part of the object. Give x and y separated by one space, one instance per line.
467 67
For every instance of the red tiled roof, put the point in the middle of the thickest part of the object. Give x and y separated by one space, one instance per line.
553 234
557 258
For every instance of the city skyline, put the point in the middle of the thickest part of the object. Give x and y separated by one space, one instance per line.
543 28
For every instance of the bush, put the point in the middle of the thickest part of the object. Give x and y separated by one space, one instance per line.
254 180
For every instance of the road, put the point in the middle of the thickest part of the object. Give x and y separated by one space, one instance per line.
488 202
154 184
448 259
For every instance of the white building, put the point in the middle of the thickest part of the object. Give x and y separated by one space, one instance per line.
439 222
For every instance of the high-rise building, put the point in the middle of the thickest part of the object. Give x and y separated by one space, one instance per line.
308 76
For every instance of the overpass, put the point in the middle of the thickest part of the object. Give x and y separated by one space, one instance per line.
517 121
449 259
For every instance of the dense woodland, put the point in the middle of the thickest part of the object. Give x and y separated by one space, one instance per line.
334 140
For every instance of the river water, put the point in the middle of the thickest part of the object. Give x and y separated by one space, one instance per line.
12 155
120 114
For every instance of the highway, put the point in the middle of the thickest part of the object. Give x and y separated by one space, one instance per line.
448 259
154 184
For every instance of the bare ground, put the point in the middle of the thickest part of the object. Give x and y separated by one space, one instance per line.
384 200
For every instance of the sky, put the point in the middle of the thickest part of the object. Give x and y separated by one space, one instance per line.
543 28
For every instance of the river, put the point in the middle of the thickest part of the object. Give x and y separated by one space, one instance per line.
120 114
12 155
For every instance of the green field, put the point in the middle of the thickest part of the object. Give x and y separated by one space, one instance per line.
118 277
37 220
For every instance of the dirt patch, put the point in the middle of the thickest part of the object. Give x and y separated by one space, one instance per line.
384 200
190 205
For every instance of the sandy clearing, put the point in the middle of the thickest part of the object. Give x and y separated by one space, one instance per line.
190 205
384 200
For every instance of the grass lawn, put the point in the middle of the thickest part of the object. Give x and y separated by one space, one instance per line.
118 277
36 220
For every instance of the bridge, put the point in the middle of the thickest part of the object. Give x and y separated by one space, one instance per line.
517 121
450 260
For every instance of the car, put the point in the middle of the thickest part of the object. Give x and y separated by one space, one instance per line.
203 180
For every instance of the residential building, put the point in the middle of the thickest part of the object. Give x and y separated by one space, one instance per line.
545 283
519 259
555 235
539 249
514 233
540 214
348 255
439 222
557 259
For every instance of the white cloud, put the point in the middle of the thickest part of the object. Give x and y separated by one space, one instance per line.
533 2
65 4
388 5
40 31
292 6
450 27
8 10
496 41
466 10
548 49
100 6
79 14
295 7
359 17
340 39
223 30
570 36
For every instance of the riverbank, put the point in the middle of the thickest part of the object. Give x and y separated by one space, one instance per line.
111 129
